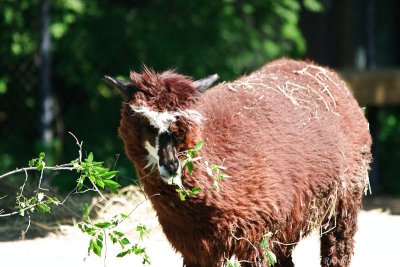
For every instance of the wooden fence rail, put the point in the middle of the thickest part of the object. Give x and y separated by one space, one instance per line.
374 88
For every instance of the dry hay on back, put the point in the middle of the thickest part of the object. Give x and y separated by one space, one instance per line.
316 94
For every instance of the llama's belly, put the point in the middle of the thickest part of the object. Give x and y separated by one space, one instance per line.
199 244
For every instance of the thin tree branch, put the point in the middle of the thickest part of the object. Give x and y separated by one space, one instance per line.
68 167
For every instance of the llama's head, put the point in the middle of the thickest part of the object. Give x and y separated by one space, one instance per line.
160 114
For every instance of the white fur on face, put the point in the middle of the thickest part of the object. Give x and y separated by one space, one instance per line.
160 120
163 120
152 157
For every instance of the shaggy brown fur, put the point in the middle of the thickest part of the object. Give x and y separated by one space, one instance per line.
297 148
165 91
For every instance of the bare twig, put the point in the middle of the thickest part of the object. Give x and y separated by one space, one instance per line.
27 227
79 145
67 167
96 189
247 240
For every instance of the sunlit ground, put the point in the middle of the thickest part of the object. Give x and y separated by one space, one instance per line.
377 245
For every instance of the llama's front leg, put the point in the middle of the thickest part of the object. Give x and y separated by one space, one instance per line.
190 264
208 262
284 260
337 246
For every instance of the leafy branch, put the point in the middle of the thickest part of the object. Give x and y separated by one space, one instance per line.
267 253
93 176
101 230
264 254
213 170
96 173
191 155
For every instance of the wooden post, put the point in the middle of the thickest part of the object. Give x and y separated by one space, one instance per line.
47 115
373 111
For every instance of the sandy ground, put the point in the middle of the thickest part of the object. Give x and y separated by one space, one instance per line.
376 245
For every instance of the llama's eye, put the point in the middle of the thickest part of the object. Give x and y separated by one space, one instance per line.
179 137
150 129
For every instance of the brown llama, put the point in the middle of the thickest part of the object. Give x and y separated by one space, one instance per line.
296 146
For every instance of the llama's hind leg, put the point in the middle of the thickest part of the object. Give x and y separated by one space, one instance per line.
284 256
284 262
337 246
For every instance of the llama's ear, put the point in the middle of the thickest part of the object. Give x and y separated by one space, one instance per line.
125 87
203 84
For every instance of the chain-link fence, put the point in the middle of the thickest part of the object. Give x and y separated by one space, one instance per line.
19 111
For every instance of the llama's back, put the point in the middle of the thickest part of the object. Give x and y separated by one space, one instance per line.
298 123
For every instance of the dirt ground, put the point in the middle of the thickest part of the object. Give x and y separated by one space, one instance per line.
376 245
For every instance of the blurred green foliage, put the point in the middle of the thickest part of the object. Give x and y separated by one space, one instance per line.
91 38
388 154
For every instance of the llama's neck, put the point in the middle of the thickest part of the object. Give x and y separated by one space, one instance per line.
193 136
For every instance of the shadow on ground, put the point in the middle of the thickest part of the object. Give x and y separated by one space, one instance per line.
388 204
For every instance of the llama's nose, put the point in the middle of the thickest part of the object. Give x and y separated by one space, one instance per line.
173 166
169 167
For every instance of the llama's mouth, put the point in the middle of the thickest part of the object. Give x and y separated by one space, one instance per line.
171 179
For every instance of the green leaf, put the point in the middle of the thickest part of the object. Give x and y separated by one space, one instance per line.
21 212
219 177
143 232
100 183
198 145
79 185
232 263
181 193
113 190
124 216
138 250
113 238
190 167
92 178
124 253
264 244
108 175
86 212
191 153
313 5
43 208
111 183
42 155
125 241
195 190
146 259
99 240
98 165
103 225
40 165
214 167
90 248
90 157
96 248
271 258
86 229
118 233
32 162
54 200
